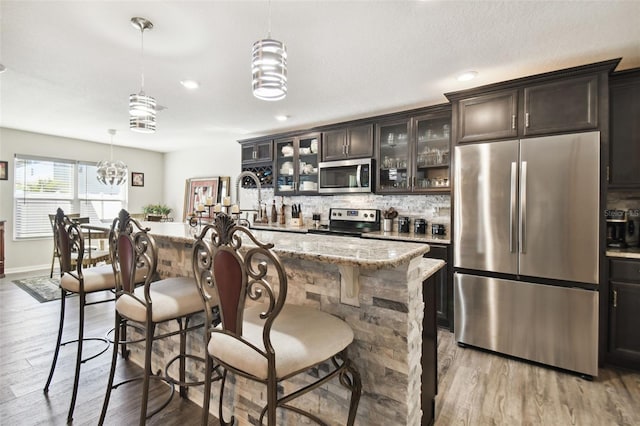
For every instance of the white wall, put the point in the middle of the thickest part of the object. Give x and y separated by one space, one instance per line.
35 254
221 158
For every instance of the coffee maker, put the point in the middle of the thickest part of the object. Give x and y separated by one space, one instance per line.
616 228
632 228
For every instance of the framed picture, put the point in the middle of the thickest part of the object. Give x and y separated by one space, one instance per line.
4 170
200 192
137 179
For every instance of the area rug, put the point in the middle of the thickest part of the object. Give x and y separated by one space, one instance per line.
43 289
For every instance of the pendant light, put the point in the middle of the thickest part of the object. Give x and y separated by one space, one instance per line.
142 108
269 67
111 172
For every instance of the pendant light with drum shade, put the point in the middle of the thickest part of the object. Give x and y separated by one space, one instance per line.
111 172
142 108
269 68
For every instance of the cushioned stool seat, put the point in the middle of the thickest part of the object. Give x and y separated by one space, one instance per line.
301 337
172 298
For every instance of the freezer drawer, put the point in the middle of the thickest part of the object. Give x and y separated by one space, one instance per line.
552 325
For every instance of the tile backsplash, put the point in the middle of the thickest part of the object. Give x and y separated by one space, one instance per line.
623 199
433 208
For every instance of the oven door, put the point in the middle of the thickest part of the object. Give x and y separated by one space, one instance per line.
346 176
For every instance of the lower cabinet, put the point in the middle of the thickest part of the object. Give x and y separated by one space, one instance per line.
443 284
1 248
624 313
429 388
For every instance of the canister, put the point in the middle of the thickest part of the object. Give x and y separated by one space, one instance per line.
403 224
420 226
437 229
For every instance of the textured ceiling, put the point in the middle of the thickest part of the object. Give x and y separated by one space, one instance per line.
71 65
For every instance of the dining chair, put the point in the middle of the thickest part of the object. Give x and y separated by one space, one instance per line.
133 249
75 280
261 337
52 220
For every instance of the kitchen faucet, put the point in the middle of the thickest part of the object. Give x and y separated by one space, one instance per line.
253 176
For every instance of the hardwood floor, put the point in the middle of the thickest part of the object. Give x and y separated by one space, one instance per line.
474 387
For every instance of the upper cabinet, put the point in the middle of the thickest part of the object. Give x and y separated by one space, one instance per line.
556 102
347 142
560 106
624 157
296 164
256 152
486 117
413 153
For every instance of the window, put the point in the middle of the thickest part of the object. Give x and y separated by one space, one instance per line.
44 184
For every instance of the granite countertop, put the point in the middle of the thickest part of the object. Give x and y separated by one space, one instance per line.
350 251
629 253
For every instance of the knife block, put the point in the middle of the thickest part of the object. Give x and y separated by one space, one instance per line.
296 221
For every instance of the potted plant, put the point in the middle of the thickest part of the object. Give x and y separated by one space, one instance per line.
156 212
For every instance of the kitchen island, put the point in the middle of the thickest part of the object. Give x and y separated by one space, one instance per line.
376 286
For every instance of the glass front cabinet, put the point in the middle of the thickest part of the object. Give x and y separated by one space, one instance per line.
296 164
413 154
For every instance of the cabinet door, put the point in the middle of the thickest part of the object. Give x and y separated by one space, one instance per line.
624 160
444 287
394 154
334 145
263 151
308 164
360 141
286 166
248 153
624 333
431 153
486 117
570 104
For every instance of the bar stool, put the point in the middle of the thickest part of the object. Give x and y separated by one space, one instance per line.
76 280
266 342
133 249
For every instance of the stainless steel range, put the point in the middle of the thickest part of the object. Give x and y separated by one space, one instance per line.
351 222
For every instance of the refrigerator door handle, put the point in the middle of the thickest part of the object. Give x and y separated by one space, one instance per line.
523 208
512 208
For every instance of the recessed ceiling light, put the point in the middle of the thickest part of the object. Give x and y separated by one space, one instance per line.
190 84
282 117
468 75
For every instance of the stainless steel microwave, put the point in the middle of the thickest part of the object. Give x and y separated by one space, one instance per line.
346 176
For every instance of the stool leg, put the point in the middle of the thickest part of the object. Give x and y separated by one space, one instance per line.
76 378
183 351
208 371
150 329
114 358
57 350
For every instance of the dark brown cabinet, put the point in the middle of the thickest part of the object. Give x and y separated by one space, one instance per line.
624 313
257 158
560 106
413 153
296 164
347 142
256 152
429 378
557 102
624 119
487 117
443 284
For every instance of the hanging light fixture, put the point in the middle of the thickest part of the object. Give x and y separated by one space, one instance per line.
142 108
269 67
111 172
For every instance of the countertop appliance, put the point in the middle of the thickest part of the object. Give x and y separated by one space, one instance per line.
404 224
350 222
526 248
346 176
617 228
632 232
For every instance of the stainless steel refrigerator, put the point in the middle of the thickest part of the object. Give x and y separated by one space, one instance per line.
526 220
